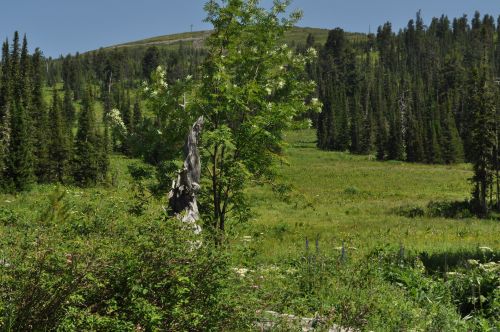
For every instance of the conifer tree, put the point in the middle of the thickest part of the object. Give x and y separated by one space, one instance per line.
483 137
59 152
137 115
39 120
86 150
4 110
68 108
452 148
19 171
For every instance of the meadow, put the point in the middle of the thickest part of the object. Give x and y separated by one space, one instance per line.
377 257
343 197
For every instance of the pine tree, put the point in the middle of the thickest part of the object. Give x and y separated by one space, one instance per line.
150 61
19 171
5 88
59 152
137 118
24 83
86 150
483 137
39 120
452 148
68 109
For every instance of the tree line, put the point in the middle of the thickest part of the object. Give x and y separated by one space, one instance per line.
37 140
424 94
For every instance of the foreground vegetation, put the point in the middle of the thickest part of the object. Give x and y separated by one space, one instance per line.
89 259
344 239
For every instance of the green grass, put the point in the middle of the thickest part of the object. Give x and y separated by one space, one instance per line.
337 196
297 35
343 197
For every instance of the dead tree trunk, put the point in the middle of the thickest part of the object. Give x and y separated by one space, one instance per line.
182 196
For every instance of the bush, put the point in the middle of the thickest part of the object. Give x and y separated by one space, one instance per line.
410 211
142 275
454 210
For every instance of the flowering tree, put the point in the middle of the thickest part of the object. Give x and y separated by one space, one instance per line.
163 134
252 87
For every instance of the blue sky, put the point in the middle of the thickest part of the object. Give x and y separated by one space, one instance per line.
66 26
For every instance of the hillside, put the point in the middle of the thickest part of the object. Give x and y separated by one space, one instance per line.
295 36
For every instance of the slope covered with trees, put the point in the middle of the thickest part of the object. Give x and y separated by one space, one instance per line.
407 95
36 139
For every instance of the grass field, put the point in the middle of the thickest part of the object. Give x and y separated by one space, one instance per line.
343 197
342 200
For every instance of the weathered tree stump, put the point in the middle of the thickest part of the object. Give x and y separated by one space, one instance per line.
182 196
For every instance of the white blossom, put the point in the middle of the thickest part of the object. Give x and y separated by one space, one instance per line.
312 52
116 120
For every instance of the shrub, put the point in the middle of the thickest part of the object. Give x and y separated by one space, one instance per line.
140 275
455 210
410 211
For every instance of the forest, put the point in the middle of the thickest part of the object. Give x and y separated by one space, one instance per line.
347 180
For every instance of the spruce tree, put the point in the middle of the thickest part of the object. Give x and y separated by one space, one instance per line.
20 169
137 118
68 109
5 89
59 152
86 150
452 149
482 105
19 172
39 120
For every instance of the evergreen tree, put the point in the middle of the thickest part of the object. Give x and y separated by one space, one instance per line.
452 148
4 110
86 149
68 109
137 118
483 137
39 120
59 152
150 61
19 170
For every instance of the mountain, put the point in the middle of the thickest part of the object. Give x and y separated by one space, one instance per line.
296 36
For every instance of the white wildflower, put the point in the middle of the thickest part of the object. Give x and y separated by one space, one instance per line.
116 120
247 238
311 52
269 90
473 262
241 272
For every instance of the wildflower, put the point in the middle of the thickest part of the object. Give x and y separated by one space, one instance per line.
241 272
311 52
247 238
116 120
